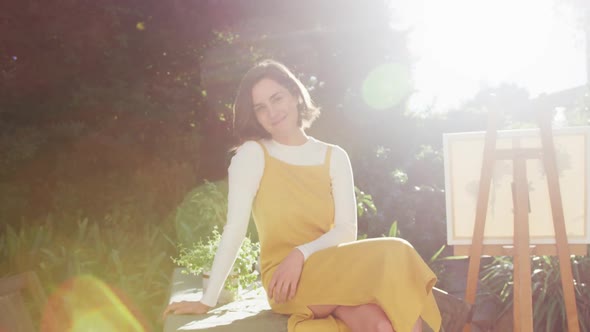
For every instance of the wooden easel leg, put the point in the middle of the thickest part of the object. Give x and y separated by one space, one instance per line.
481 211
565 266
523 303
472 277
516 287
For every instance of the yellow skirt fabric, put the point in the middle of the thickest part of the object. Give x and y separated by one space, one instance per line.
385 271
294 205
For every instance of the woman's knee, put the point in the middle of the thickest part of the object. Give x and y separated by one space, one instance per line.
377 319
399 243
365 318
383 325
322 311
391 243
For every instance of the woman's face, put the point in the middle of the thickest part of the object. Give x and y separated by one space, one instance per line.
275 108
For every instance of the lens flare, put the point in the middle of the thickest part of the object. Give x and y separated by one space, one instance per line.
85 303
386 86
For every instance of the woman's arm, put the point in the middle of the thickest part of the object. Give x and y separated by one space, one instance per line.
345 217
244 174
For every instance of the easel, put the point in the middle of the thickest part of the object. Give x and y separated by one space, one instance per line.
522 303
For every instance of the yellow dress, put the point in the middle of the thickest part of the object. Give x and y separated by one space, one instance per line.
293 206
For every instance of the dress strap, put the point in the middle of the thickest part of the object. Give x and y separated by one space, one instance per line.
328 156
263 149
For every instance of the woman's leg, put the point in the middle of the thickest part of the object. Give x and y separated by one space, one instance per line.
366 317
359 318
362 318
322 311
418 326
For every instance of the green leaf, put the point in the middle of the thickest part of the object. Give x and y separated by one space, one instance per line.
436 254
393 231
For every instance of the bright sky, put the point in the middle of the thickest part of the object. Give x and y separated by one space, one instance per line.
462 45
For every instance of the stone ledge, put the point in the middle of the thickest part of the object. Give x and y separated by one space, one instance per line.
252 312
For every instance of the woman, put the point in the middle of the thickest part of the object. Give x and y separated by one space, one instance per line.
301 193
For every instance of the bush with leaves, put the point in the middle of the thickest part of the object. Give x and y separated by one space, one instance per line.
129 258
198 260
548 301
203 209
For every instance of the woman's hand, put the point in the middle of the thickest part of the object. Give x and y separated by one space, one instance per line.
186 307
283 284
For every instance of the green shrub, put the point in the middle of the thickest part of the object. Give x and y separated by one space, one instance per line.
202 210
548 302
132 261
198 259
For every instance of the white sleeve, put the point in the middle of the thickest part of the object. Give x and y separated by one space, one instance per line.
345 218
244 174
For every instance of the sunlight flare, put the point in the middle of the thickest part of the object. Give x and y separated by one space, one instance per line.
85 303
462 46
386 86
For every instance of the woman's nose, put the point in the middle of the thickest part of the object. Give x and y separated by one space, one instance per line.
272 111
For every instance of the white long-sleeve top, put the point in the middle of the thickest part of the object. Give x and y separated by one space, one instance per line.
244 175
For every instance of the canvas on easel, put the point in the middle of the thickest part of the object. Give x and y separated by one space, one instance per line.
463 162
519 193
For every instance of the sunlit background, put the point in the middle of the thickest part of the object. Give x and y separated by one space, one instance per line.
461 46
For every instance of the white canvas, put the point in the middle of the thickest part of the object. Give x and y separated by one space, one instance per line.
463 154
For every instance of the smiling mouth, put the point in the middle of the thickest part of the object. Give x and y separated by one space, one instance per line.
274 123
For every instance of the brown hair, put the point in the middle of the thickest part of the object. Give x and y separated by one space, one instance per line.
245 125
